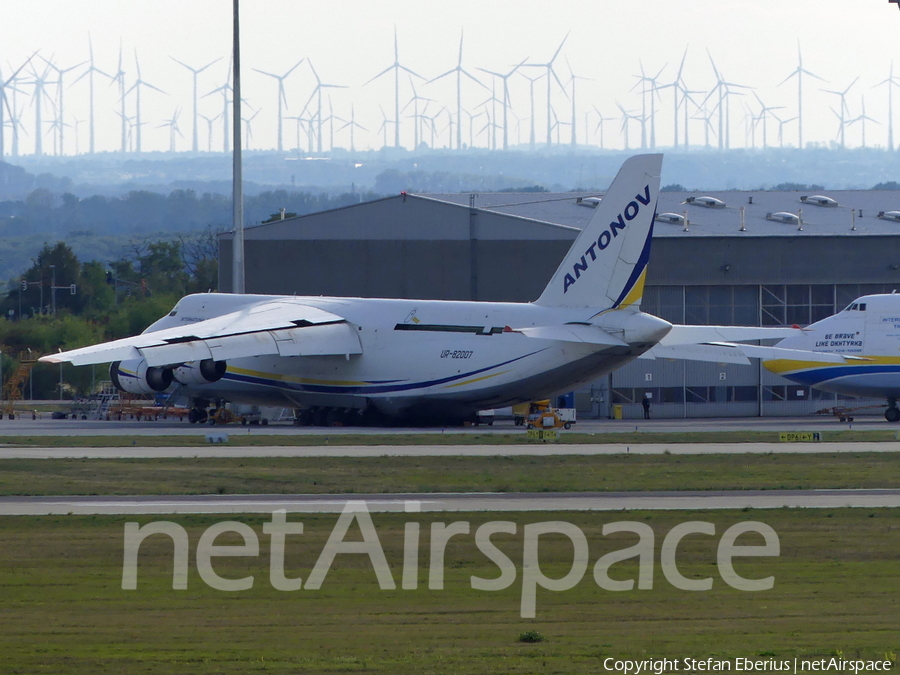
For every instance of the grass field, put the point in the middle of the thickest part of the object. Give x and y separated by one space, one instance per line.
324 475
255 436
62 608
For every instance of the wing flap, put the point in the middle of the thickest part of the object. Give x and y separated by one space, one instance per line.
328 340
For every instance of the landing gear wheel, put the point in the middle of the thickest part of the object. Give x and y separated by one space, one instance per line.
318 417
892 415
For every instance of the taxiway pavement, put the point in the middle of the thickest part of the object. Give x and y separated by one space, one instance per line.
438 502
452 450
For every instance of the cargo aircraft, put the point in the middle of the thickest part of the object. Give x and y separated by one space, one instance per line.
856 352
340 360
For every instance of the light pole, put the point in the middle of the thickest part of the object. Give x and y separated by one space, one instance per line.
53 288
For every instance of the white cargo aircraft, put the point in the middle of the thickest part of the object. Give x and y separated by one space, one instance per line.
349 360
855 352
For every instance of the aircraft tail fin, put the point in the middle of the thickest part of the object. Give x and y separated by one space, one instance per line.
607 264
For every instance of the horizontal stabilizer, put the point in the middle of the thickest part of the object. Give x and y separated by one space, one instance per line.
709 353
692 335
279 327
573 332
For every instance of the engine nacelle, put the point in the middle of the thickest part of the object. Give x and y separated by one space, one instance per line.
136 377
206 371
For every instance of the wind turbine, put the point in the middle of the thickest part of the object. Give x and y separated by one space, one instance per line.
863 118
76 123
800 72
39 82
414 102
384 124
173 128
679 88
505 77
724 89
531 81
550 71
643 80
572 78
781 124
56 125
845 111
891 82
119 78
601 120
763 114
282 98
248 133
195 72
352 123
317 93
4 103
136 88
626 115
225 89
706 116
90 75
460 71
396 67
209 123
60 93
15 119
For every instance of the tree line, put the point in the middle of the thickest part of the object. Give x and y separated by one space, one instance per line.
61 302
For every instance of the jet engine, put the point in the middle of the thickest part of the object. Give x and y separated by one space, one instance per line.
206 371
136 377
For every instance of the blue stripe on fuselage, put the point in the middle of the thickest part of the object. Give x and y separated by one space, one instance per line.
365 389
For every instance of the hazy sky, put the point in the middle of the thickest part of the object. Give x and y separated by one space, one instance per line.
753 43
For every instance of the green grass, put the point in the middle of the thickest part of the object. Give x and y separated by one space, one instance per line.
324 475
62 609
252 436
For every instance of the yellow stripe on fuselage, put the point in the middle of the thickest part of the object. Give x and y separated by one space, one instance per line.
474 379
781 366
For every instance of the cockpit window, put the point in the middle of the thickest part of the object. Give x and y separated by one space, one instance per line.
173 313
854 306
862 307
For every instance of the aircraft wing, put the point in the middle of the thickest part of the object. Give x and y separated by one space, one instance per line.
278 327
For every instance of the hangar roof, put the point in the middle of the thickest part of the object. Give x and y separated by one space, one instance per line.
557 215
564 209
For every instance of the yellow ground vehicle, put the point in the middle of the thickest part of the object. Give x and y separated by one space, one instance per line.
541 415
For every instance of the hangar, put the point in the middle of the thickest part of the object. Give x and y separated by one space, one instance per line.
755 258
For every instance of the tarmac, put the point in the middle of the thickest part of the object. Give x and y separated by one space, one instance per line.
450 502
